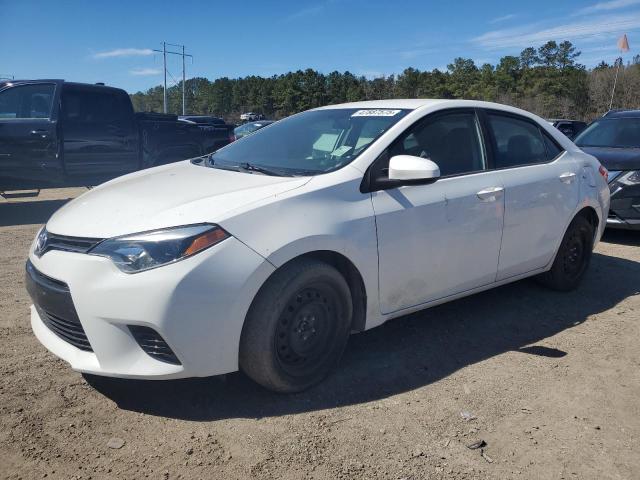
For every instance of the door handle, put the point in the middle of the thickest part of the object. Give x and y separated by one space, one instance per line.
39 133
567 177
490 194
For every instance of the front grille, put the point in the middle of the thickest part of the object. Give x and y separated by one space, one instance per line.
52 300
52 241
68 330
153 344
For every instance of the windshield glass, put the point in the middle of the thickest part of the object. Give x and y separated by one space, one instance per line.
611 132
311 142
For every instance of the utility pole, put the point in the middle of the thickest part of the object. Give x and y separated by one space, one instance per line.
183 83
164 52
164 57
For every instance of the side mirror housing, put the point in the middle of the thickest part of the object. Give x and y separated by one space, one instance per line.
407 167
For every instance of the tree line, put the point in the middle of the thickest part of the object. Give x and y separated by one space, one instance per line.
548 81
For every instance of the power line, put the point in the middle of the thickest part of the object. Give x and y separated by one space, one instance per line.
164 52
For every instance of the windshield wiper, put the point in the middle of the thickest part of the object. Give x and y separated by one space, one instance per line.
250 167
246 166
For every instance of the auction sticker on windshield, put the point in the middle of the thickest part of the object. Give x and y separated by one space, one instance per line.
376 113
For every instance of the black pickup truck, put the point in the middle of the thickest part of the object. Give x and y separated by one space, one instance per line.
55 133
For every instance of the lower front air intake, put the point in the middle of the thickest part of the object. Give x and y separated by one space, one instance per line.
153 344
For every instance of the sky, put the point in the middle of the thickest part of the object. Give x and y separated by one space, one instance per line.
113 42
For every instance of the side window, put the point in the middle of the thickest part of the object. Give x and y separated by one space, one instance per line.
71 104
452 141
91 107
518 142
553 150
100 107
27 101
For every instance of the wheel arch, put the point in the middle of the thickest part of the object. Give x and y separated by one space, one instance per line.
590 213
592 216
350 273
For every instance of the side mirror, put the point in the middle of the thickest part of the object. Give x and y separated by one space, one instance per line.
408 167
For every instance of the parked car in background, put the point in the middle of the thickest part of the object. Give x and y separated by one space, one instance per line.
267 254
570 128
247 128
250 117
55 133
614 139
216 129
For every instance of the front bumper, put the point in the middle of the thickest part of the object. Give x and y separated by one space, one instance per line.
625 224
624 211
197 306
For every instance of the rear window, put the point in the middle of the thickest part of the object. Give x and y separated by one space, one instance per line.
611 132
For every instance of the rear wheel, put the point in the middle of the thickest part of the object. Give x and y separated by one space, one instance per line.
573 257
297 326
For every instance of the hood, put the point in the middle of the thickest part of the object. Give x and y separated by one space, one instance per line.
171 195
615 159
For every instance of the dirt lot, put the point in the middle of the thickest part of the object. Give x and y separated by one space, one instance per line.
549 381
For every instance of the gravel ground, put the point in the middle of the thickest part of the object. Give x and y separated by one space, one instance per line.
550 382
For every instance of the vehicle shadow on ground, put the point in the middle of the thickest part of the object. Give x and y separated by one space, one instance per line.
403 354
622 237
28 213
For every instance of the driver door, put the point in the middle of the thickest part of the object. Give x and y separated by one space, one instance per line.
442 238
29 146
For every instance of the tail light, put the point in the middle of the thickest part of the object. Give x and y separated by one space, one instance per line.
604 172
232 138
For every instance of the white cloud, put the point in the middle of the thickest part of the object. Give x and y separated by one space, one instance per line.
305 12
309 11
535 34
143 72
124 52
503 18
607 6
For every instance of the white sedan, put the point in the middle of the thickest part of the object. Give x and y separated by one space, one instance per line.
267 254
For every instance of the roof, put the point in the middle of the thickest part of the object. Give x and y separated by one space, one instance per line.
622 114
416 103
408 104
4 83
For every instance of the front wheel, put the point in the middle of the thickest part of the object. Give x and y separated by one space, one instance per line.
573 257
297 326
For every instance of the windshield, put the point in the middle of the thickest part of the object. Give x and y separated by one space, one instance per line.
311 142
611 132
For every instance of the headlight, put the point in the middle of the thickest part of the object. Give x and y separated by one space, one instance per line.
143 251
630 178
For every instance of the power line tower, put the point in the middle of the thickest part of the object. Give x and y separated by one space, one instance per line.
164 53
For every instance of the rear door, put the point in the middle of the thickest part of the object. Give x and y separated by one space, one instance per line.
541 192
29 147
100 136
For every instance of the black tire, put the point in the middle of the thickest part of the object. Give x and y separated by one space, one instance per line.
573 257
297 327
